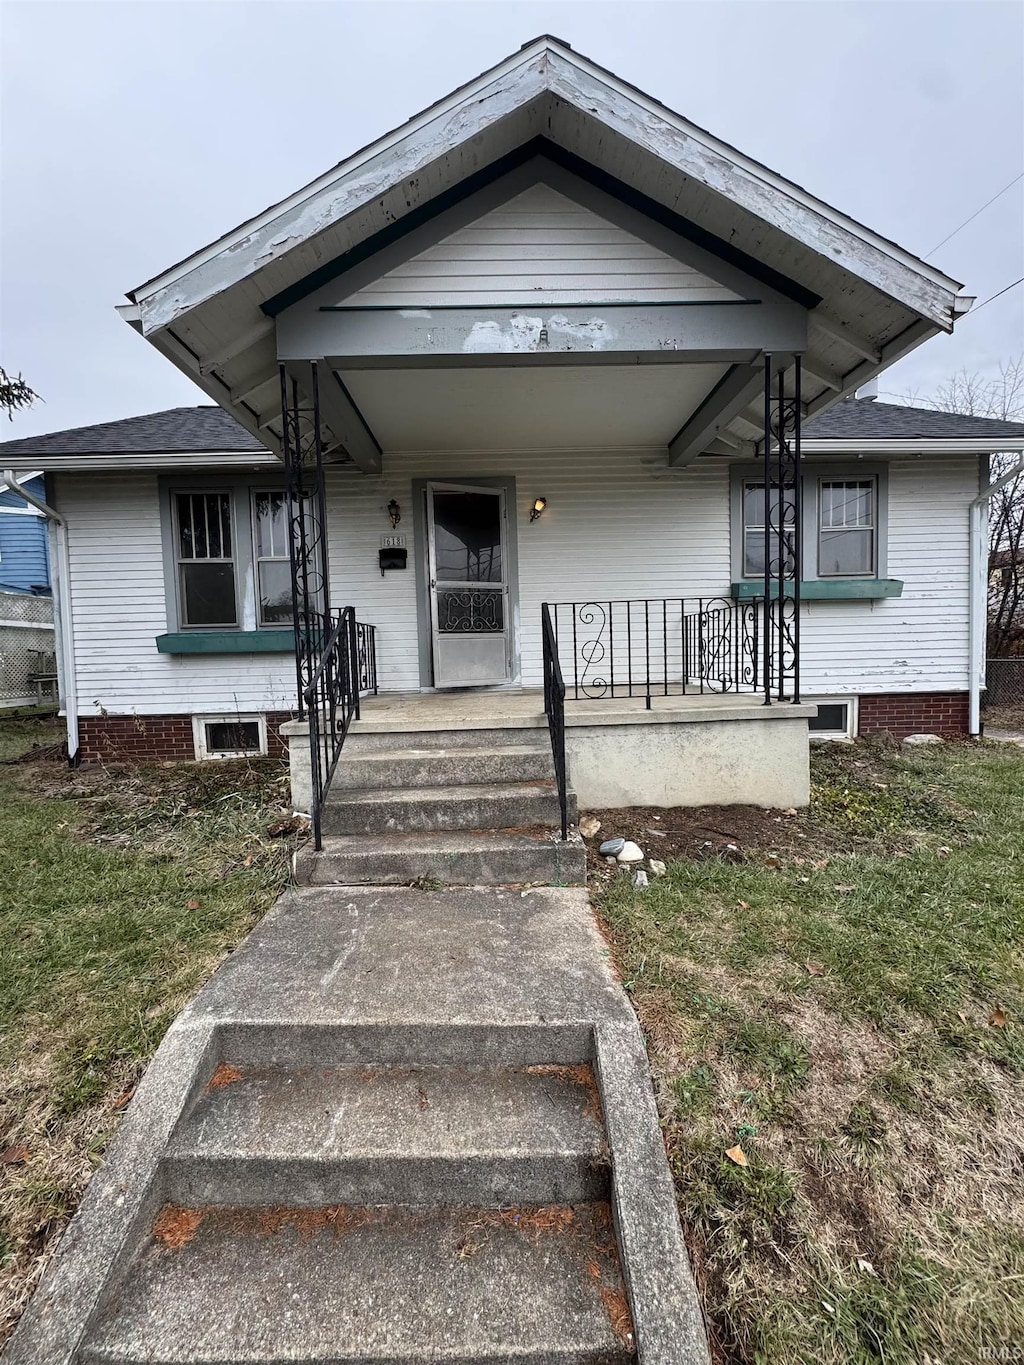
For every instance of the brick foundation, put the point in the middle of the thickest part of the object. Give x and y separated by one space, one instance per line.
914 713
136 739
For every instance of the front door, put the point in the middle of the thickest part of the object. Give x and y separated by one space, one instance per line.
468 585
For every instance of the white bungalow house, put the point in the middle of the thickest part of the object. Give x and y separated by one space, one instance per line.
497 402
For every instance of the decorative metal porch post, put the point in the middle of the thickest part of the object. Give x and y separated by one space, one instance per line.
783 531
307 521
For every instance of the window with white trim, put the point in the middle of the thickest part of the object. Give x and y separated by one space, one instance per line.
229 736
836 718
846 528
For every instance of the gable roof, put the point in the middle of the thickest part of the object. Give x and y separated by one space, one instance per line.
871 301
861 419
210 430
183 430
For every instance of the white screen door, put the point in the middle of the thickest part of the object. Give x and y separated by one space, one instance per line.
468 585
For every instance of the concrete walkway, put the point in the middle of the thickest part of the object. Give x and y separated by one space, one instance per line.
369 1138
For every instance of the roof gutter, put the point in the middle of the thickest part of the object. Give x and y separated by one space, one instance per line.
977 607
67 678
920 445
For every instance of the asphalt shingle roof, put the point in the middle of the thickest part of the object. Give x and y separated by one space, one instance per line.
210 428
206 428
858 419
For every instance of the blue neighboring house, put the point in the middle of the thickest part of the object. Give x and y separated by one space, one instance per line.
24 562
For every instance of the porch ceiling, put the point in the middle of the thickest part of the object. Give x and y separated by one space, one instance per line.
212 315
529 407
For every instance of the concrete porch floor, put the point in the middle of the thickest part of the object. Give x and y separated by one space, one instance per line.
523 708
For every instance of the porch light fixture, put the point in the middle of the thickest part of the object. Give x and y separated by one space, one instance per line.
538 506
394 512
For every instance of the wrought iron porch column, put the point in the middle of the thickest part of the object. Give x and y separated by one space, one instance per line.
302 448
783 530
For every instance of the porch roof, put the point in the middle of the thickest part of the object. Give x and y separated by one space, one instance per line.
871 302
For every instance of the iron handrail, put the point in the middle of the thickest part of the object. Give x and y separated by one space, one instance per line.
345 670
554 709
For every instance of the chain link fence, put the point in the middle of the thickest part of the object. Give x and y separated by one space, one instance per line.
28 663
1004 682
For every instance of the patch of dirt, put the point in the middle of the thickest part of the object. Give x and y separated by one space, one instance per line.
706 832
176 1227
224 1075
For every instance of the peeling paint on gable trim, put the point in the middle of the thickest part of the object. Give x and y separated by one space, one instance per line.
554 74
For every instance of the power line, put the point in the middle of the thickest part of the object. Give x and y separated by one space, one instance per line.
994 296
975 214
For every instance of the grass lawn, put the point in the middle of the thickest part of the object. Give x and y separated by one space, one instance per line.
122 888
841 1007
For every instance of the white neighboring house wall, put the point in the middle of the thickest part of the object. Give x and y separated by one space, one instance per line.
617 525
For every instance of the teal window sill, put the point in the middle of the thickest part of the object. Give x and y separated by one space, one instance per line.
827 589
227 642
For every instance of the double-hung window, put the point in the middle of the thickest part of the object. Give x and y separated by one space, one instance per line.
843 520
847 523
273 566
205 556
228 566
755 507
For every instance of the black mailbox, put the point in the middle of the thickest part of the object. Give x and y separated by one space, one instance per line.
392 559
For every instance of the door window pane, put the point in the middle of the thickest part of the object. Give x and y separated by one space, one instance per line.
467 537
846 538
470 611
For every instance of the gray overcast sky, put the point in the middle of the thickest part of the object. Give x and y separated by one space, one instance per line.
134 133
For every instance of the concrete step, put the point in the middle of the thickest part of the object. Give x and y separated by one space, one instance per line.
370 1286
392 1135
509 805
374 736
406 766
451 858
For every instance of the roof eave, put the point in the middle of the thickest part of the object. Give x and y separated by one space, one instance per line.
551 70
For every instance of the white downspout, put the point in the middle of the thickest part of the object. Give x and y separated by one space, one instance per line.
62 602
978 601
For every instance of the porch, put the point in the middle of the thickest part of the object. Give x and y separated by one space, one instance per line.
679 748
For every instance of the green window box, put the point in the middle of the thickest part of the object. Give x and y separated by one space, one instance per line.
827 589
227 642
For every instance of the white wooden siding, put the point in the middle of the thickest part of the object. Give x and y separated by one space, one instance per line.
542 248
119 608
917 642
618 524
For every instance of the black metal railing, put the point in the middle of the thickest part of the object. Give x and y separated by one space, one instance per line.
345 670
658 647
554 708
